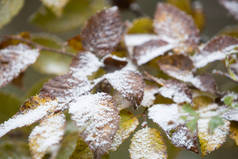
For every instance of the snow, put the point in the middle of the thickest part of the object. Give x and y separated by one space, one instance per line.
47 135
166 116
149 95
97 119
18 58
27 117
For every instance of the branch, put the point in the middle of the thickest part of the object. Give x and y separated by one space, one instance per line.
40 47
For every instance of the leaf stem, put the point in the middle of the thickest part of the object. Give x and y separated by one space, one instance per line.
155 79
40 47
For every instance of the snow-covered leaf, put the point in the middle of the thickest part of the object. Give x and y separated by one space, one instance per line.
129 83
120 102
181 67
47 135
85 64
215 49
31 111
177 91
231 6
97 119
128 124
147 143
171 119
150 50
211 141
175 26
56 6
9 9
102 32
149 95
14 60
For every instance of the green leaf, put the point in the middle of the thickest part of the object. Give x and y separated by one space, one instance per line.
141 25
192 124
9 9
215 122
75 14
228 100
50 62
9 106
188 109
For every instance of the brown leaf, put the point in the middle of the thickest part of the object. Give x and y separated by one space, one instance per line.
150 50
176 26
215 49
112 62
76 43
102 32
14 60
97 119
231 6
207 83
129 83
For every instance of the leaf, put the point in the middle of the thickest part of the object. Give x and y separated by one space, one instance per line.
147 143
184 5
178 130
9 105
230 31
215 122
149 95
150 50
210 142
14 60
141 26
31 111
102 32
181 67
9 9
231 62
231 6
128 124
230 99
215 49
129 83
47 135
177 91
234 132
76 43
85 64
175 26
112 62
97 119
55 6
74 15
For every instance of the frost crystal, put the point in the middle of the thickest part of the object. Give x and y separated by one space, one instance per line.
46 136
147 143
14 60
97 120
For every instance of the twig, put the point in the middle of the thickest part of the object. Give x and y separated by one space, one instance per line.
40 47
155 79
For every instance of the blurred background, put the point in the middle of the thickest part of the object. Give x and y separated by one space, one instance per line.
36 19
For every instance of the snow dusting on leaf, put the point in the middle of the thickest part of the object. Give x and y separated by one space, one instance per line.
14 60
97 119
32 110
84 64
215 49
150 50
128 124
129 83
231 6
147 143
177 91
149 95
175 26
102 32
211 141
47 135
